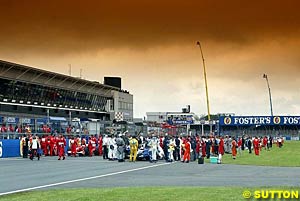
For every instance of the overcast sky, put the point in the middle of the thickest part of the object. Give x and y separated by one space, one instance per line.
151 44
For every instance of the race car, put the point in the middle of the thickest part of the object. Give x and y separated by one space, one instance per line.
144 152
80 151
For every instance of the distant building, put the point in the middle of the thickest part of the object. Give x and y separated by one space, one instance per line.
159 117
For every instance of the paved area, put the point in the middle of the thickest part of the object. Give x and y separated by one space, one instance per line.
17 174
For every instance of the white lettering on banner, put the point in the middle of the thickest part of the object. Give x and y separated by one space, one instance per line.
252 120
268 120
11 120
291 120
263 120
26 121
0 149
182 122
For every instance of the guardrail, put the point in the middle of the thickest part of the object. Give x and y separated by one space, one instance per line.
16 135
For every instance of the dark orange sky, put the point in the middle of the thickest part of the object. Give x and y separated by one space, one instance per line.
151 44
134 23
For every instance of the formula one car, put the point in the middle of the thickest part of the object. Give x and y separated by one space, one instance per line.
144 152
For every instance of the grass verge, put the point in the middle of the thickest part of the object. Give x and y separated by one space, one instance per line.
141 194
287 156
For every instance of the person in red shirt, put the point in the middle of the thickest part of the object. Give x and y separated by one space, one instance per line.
203 147
265 142
233 148
74 144
161 144
3 128
239 145
44 129
220 150
19 129
48 145
221 146
187 151
61 143
56 139
92 145
198 145
44 144
100 142
52 143
256 146
11 128
69 130
30 138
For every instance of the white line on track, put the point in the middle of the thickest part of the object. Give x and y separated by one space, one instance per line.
55 160
83 179
11 159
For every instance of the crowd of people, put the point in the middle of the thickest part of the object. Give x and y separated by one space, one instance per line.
15 129
33 146
124 145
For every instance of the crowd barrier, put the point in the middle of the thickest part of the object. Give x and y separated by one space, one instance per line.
9 148
12 148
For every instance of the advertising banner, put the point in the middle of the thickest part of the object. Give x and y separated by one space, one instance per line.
27 121
259 120
180 119
10 120
9 148
0 149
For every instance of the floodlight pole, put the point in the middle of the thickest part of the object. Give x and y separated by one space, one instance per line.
270 96
205 79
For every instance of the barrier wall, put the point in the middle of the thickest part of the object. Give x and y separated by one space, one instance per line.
9 148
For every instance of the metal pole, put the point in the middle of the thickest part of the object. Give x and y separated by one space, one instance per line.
70 117
96 127
206 88
48 116
270 96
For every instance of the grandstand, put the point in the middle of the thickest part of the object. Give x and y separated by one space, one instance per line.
28 95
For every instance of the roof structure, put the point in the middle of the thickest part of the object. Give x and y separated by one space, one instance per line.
33 75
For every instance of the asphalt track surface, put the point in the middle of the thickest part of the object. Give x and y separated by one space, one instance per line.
18 174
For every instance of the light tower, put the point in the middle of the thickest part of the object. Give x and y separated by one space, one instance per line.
205 79
265 76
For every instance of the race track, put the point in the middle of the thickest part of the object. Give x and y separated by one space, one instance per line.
18 174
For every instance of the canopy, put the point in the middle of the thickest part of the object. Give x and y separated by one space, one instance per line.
58 119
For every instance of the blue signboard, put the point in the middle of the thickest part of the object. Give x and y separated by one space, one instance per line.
259 120
41 121
1 149
180 119
11 120
27 121
9 148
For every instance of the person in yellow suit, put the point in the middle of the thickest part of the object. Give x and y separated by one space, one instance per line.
133 148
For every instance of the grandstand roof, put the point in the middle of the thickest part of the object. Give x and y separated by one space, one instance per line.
29 74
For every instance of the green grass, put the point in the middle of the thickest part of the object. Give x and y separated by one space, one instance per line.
287 156
139 194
